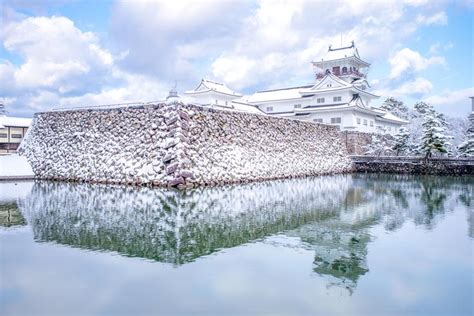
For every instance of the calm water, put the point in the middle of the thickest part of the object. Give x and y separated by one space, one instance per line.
349 245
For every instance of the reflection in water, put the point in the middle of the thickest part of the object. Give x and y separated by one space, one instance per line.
176 226
10 215
331 216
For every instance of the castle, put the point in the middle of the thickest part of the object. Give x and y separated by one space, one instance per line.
338 96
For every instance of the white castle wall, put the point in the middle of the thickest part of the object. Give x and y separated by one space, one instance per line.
178 145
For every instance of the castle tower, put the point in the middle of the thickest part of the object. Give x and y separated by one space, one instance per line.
343 62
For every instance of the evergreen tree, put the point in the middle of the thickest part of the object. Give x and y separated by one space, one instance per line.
433 138
457 127
379 144
400 142
2 109
421 109
467 147
395 107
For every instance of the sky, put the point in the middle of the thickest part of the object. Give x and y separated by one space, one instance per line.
57 53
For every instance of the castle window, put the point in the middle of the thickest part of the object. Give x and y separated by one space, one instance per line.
297 106
365 122
3 135
336 70
344 70
371 123
16 135
320 100
269 108
318 120
335 120
337 99
358 120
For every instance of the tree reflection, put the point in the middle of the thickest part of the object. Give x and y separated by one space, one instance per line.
332 216
177 226
10 215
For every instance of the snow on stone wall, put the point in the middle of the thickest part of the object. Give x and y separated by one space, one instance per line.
178 145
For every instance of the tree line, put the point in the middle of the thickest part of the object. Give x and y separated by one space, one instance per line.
428 134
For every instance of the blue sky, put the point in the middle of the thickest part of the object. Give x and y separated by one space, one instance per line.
76 53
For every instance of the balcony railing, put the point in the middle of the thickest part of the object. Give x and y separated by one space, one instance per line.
341 73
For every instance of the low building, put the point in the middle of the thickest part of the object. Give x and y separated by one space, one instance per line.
217 95
12 132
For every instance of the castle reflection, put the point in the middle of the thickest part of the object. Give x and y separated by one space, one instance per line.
331 216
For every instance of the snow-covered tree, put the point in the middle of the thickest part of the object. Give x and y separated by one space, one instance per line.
395 107
400 141
415 128
434 138
3 111
422 108
467 147
380 144
457 127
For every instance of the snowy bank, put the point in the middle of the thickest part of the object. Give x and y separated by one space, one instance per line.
14 166
179 145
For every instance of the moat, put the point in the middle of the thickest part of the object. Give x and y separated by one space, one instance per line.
357 244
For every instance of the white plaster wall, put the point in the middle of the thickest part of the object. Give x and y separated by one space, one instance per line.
212 98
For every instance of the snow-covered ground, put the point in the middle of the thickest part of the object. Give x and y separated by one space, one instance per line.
14 166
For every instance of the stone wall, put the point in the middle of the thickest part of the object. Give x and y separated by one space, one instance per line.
178 145
413 165
356 141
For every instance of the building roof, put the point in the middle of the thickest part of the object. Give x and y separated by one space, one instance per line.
387 116
276 94
11 121
322 85
245 107
342 53
208 86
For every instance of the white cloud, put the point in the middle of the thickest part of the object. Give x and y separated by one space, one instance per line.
450 97
173 39
454 102
411 89
439 18
56 54
416 3
300 32
137 88
409 60
437 47
249 45
419 86
190 41
63 66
